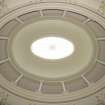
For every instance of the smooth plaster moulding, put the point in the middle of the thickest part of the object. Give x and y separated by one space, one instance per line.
14 36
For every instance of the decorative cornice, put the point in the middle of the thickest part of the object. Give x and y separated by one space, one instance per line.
3 7
4 96
101 99
101 8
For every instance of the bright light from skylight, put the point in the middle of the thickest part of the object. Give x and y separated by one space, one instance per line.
52 48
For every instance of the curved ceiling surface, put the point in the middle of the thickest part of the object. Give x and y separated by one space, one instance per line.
34 79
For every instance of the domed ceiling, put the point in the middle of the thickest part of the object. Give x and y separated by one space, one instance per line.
52 52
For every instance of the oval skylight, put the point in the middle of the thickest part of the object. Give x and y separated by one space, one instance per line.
52 48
